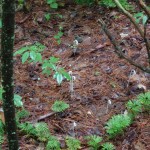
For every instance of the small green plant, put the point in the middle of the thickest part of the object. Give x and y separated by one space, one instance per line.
21 114
31 51
134 107
72 143
59 74
27 128
108 146
140 17
94 141
53 144
144 99
47 16
34 53
117 124
42 131
53 3
59 106
59 35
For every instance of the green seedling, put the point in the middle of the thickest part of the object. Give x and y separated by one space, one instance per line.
59 106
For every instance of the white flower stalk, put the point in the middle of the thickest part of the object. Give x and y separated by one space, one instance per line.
71 87
108 104
75 46
74 125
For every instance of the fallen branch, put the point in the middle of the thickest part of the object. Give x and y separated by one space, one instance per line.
118 50
132 19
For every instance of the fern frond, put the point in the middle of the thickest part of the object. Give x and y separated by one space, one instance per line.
53 144
94 141
42 131
72 143
117 124
108 146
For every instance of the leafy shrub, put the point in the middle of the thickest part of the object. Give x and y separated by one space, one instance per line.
108 146
31 51
59 74
53 144
94 141
72 143
140 17
59 106
117 124
111 4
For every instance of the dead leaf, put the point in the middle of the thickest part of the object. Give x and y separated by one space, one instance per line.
87 30
139 146
100 46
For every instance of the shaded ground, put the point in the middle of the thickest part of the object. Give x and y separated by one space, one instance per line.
99 74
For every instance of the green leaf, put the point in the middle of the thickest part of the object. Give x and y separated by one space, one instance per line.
54 5
46 71
59 78
50 1
18 100
25 56
59 41
38 57
60 34
65 74
21 50
32 55
47 16
144 19
53 60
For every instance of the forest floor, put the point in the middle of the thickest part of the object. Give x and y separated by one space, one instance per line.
100 75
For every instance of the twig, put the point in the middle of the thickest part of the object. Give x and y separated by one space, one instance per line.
145 8
118 50
132 19
128 15
43 117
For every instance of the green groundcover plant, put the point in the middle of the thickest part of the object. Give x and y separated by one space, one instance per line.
117 124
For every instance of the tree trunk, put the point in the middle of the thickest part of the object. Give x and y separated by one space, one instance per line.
8 22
